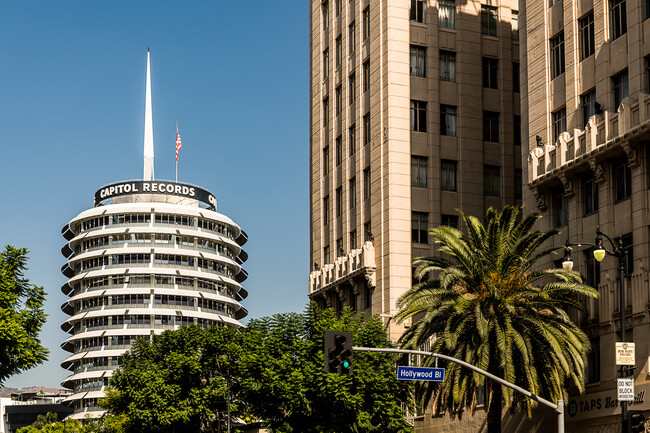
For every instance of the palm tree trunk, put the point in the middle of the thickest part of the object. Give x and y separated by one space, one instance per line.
494 411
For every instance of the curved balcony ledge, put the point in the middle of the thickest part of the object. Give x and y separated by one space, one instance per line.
359 262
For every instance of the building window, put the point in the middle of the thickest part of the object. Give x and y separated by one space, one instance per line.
418 61
368 293
326 254
366 129
339 150
488 20
518 184
352 87
558 119
447 175
449 220
588 103
647 9
339 7
448 120
366 75
447 14
557 55
367 233
418 116
366 23
419 226
339 102
339 248
447 66
492 180
621 88
622 179
326 210
586 36
339 51
593 362
490 72
514 24
618 14
419 171
366 183
352 192
339 201
592 277
352 139
491 126
560 208
516 130
418 10
553 2
326 111
326 160
326 63
325 8
352 37
353 240
516 86
590 188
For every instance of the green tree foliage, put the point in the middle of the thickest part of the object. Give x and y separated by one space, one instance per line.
21 316
274 369
492 306
48 424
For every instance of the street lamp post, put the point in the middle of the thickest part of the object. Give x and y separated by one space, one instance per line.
620 252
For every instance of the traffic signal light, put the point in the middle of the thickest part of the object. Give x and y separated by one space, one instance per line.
636 421
338 352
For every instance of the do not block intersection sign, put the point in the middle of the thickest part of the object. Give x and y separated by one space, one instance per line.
421 373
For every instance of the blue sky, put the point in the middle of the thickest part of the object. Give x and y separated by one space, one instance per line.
234 75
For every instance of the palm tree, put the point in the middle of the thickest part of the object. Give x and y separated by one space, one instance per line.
491 305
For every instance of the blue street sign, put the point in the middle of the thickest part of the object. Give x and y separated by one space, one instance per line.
421 373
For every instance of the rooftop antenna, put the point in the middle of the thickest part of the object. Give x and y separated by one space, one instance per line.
148 127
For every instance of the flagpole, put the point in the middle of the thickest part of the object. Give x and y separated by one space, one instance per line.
177 153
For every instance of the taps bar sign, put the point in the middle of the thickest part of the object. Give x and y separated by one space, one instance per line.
155 187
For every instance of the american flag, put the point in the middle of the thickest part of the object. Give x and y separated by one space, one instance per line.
179 146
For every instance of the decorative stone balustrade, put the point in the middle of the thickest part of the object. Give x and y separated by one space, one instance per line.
357 263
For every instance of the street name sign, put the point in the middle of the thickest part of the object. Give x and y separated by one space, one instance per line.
421 373
625 389
624 353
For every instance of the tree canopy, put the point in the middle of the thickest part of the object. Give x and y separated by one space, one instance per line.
179 380
490 304
21 316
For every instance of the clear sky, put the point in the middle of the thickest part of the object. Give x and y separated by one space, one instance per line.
235 76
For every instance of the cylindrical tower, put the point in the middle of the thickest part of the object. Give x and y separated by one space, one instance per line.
149 256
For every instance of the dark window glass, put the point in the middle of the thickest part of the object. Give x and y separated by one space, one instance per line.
518 183
366 75
560 208
559 123
621 88
326 210
352 139
447 14
366 23
448 120
352 192
447 66
339 201
449 220
588 103
516 87
618 16
557 55
590 188
490 73
418 116
366 129
516 130
586 36
492 180
339 150
448 175
419 171
326 160
419 227
488 20
622 179
491 126
418 10
418 61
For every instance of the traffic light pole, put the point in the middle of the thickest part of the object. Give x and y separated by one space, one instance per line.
558 408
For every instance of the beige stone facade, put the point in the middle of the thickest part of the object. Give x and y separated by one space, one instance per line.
585 95
400 92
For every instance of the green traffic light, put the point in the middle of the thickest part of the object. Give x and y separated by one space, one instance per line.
346 364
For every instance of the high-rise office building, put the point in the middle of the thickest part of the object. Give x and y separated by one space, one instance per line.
149 256
586 126
414 113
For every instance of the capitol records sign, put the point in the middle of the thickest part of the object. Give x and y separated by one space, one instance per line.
600 404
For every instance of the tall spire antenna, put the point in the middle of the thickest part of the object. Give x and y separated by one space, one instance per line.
148 127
